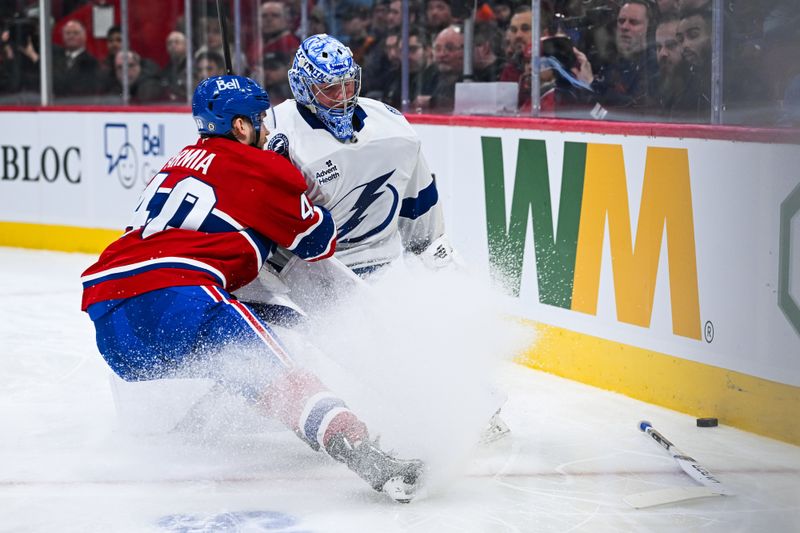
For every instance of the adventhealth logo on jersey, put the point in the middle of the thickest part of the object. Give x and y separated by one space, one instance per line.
594 189
329 173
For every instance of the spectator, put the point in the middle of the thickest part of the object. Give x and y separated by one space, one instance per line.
438 94
633 24
394 15
211 35
375 60
276 78
19 60
379 25
276 33
694 36
173 75
206 65
113 45
502 12
486 56
668 49
75 71
316 21
144 85
391 89
630 80
356 31
295 9
438 16
668 55
384 68
517 39
517 42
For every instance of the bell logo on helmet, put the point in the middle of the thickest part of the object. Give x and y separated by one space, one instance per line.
220 99
231 84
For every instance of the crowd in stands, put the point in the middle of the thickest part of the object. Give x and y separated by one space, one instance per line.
631 59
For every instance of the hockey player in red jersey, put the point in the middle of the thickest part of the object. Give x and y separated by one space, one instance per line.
160 296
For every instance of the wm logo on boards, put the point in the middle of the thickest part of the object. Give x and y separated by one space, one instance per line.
594 194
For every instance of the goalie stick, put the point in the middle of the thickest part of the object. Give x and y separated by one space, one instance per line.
711 485
687 463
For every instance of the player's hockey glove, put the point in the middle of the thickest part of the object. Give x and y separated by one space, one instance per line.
398 478
440 254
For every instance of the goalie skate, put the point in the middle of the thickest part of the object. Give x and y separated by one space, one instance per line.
495 430
398 478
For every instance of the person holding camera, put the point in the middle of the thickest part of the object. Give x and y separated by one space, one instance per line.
19 60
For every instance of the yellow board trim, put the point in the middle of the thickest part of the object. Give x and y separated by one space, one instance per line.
754 404
60 238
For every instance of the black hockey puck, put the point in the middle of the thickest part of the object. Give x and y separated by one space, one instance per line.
707 422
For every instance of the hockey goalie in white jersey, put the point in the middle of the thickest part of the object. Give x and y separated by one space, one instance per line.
363 162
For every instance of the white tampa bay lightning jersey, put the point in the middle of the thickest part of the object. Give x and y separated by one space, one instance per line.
377 185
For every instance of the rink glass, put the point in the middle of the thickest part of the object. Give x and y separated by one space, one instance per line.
746 65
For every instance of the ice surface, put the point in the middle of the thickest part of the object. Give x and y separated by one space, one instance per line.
67 463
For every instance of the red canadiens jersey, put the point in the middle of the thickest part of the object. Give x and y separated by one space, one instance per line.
212 216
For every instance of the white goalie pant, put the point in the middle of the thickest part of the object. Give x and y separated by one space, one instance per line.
307 288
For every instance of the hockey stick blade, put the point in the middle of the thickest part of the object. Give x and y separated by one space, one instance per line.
642 500
687 463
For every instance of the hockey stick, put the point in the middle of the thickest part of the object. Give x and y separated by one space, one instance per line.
223 24
687 463
711 485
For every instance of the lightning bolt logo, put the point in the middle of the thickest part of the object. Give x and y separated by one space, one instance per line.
370 192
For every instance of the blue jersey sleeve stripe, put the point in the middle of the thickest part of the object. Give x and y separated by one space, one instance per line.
216 224
416 207
145 266
262 246
317 242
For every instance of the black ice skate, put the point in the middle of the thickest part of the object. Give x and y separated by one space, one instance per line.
398 478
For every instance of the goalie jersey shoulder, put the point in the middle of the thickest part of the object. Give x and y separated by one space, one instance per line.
295 132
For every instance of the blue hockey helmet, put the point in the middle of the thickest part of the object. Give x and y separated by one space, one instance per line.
219 99
325 76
